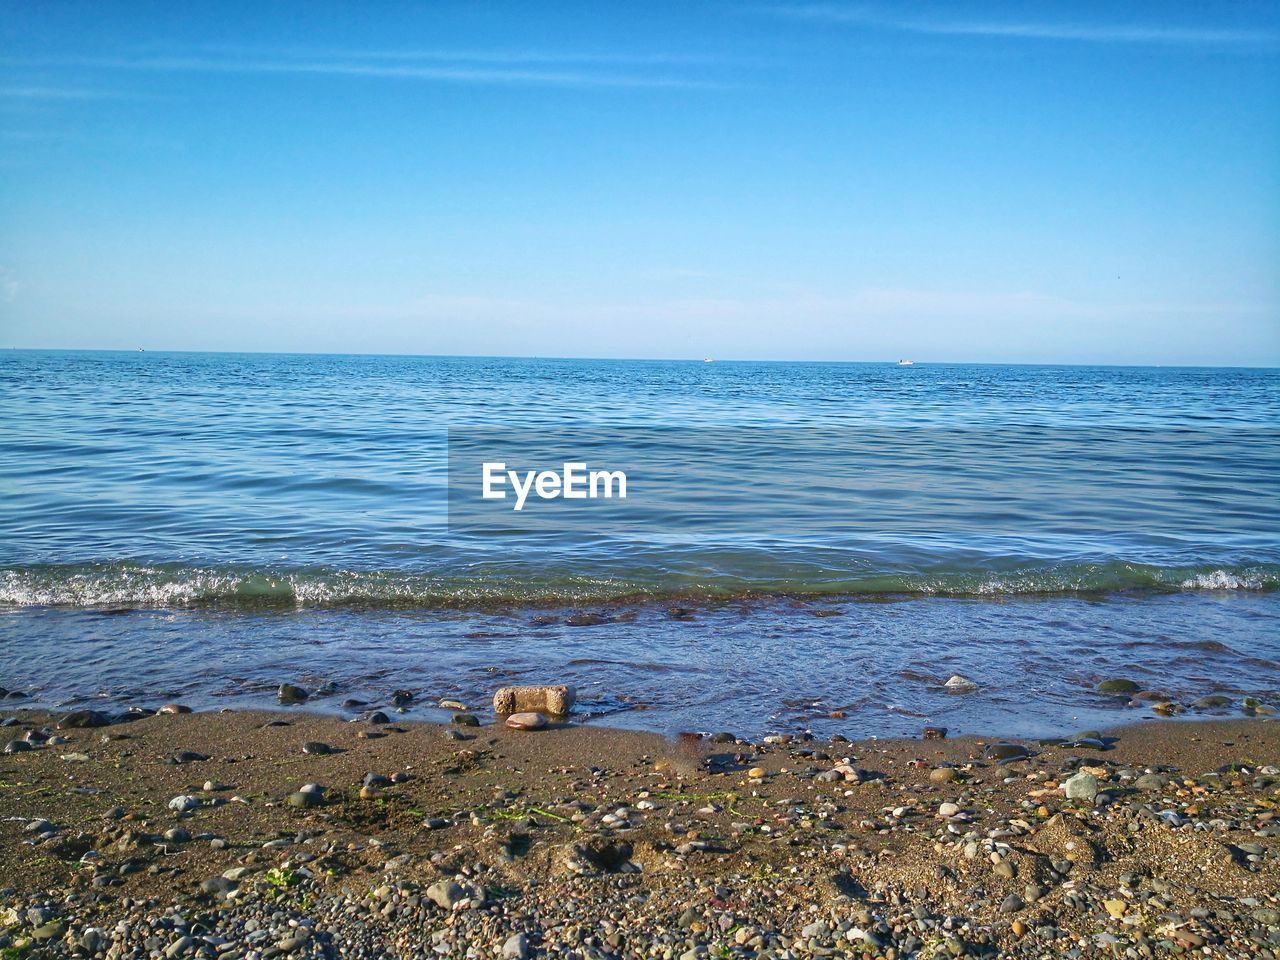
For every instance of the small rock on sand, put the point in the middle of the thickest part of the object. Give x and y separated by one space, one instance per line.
526 721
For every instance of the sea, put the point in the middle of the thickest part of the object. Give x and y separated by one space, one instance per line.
803 547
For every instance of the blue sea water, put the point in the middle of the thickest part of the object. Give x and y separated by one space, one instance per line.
802 538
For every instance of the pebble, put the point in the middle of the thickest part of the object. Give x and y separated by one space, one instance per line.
1118 685
1082 786
288 693
526 721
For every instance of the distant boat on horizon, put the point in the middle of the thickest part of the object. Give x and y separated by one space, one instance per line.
707 360
905 363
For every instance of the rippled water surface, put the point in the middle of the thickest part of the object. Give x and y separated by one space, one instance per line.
203 526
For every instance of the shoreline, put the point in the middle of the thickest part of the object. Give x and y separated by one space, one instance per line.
593 841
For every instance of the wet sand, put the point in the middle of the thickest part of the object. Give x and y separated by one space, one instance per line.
594 842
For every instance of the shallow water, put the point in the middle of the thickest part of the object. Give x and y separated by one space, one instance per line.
203 526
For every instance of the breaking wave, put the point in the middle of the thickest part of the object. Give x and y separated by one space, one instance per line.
128 585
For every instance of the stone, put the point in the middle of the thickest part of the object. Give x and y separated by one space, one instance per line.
317 748
516 947
183 803
172 709
190 756
556 700
1151 781
289 693
948 809
304 798
17 746
446 894
1011 904
935 733
80 719
1118 685
959 684
465 720
756 773
53 930
943 774
1211 702
1116 908
1083 786
526 721
1006 751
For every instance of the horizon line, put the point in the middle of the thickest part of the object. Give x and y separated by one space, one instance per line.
538 356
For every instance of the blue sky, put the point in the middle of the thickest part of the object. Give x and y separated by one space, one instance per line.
1074 182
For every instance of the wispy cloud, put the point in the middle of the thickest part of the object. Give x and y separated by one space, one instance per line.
1112 33
57 93
461 67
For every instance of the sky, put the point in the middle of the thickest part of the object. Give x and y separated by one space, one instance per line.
1072 182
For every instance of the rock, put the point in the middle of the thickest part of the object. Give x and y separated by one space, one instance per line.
935 733
53 930
516 947
943 774
1212 702
556 700
1118 685
948 809
447 704
1151 781
526 721
318 748
189 756
177 835
1083 786
378 718
288 693
465 720
585 619
401 698
756 773
376 780
370 793
1006 751
17 746
1011 904
959 684
304 798
80 719
1116 908
184 803
172 709
446 894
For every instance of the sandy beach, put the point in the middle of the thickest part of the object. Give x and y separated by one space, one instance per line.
255 834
